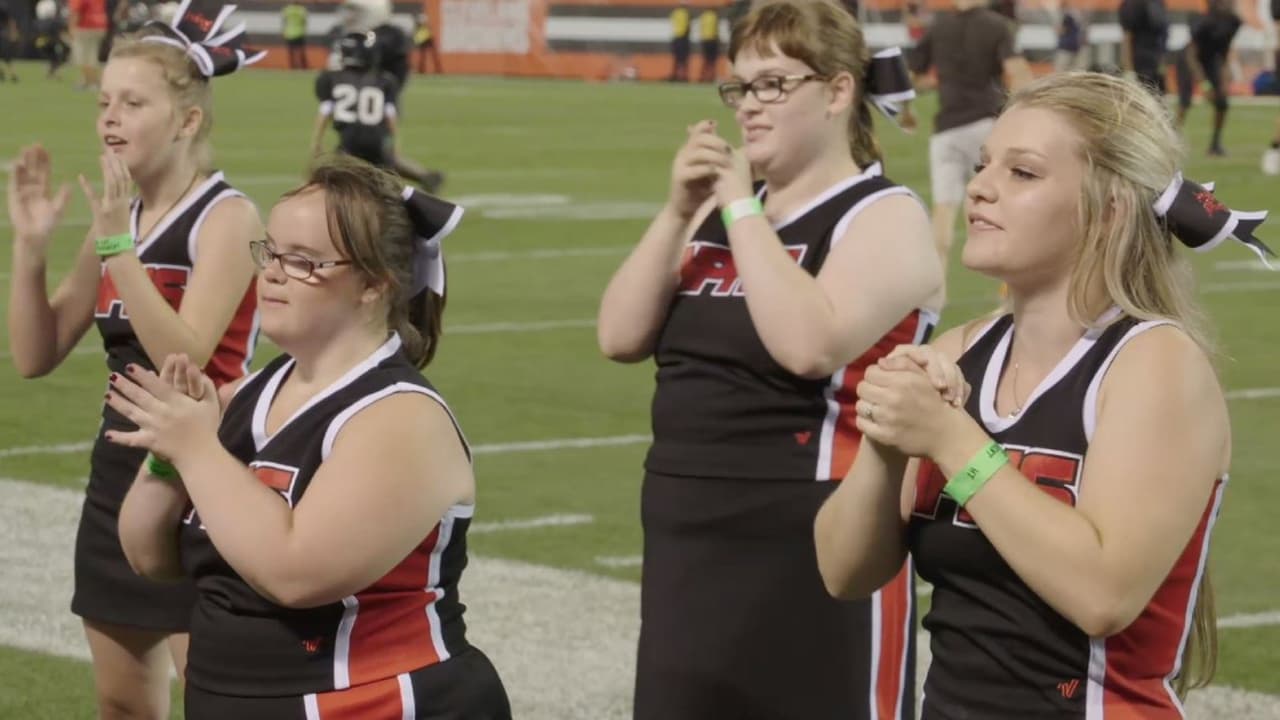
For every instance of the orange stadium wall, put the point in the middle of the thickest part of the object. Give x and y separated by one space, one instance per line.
604 39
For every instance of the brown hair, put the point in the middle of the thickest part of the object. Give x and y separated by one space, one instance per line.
824 36
187 86
1131 150
369 225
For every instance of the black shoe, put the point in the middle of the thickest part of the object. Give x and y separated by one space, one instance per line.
1217 151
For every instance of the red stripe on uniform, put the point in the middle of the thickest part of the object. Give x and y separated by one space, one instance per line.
228 361
847 438
392 633
895 606
1148 651
375 700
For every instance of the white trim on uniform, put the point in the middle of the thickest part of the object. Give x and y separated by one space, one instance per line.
873 684
987 399
1091 395
311 706
1189 618
171 216
335 425
194 235
260 435
326 108
342 643
906 678
1095 691
433 585
843 226
408 710
869 172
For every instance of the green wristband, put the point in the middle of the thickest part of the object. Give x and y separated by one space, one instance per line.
966 483
161 468
738 209
113 244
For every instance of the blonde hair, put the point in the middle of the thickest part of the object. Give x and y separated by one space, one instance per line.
824 36
369 225
1131 151
187 86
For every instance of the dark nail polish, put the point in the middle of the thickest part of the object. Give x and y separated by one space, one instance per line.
114 377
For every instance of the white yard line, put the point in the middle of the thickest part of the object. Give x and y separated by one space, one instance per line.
1250 620
577 625
551 444
534 523
619 561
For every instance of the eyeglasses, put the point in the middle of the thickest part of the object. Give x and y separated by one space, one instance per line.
298 267
766 88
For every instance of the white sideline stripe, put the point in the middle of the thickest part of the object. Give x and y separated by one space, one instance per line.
466 329
1229 265
533 523
508 327
1250 620
60 449
553 444
620 561
561 444
1253 394
584 625
488 449
543 254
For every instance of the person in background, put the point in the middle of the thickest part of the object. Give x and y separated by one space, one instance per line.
681 22
424 40
709 40
1145 39
9 41
51 36
293 28
972 50
1072 52
1204 61
88 23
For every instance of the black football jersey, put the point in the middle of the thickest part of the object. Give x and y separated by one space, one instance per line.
723 406
999 650
244 645
360 104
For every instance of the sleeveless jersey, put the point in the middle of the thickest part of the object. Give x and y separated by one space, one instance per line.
723 406
244 645
999 650
168 254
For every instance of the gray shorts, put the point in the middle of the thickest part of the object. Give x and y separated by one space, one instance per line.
952 155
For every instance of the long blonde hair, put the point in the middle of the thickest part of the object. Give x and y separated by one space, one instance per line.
824 36
1131 152
187 86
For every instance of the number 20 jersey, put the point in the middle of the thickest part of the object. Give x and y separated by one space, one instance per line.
360 104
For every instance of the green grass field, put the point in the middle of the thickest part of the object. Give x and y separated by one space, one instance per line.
560 178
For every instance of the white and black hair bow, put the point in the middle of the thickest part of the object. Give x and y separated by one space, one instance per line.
433 220
215 50
1201 222
887 82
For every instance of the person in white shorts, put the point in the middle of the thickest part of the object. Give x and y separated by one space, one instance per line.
973 51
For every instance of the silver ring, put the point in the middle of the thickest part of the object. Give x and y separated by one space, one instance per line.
871 412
